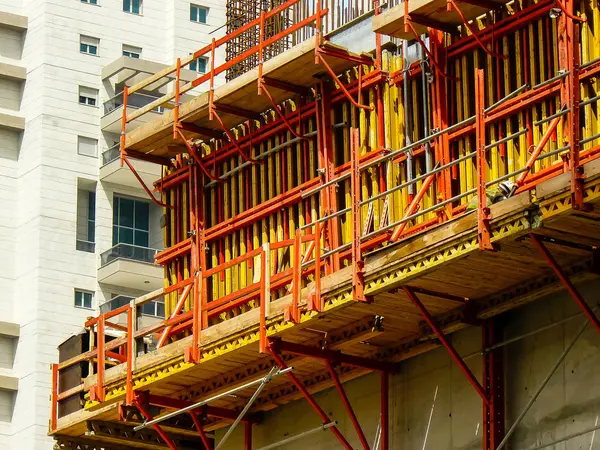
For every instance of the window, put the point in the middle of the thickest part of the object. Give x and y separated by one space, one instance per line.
88 96
86 220
155 308
199 65
132 52
198 13
91 2
83 299
87 146
131 221
132 6
89 45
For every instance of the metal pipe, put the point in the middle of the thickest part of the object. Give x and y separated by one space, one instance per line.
589 139
425 103
407 120
554 152
589 63
589 100
419 213
506 98
268 152
542 386
208 400
553 116
566 438
299 436
505 139
264 382
505 177
560 76
525 335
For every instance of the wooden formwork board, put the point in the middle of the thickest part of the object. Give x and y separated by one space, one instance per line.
426 13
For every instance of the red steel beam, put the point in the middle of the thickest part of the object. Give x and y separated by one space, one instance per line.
174 403
157 428
334 356
562 276
385 410
198 425
348 406
440 335
322 414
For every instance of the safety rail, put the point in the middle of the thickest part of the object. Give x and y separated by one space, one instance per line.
209 51
128 251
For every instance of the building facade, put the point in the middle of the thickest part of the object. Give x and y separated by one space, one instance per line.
77 231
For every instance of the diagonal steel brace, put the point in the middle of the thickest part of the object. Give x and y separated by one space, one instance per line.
453 353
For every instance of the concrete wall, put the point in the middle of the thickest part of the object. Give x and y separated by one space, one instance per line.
570 402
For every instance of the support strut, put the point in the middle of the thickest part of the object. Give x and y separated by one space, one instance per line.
322 414
562 276
453 353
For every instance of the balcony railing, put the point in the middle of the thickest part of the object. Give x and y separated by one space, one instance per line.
155 308
111 154
85 246
134 101
128 251
114 303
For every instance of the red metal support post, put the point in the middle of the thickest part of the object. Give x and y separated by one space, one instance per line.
130 355
563 277
347 405
247 436
385 419
493 379
157 427
198 425
483 211
97 393
358 287
322 414
440 335
54 398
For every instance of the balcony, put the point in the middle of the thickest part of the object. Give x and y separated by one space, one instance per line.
130 266
112 171
113 111
151 312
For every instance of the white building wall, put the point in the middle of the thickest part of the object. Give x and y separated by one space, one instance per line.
39 171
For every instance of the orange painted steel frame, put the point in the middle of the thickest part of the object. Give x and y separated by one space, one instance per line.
568 88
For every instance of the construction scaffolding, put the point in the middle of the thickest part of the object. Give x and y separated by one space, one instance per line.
343 187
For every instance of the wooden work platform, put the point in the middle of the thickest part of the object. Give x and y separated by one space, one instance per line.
295 66
429 13
446 259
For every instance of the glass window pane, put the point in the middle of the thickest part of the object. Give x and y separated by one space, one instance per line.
202 15
160 309
82 47
141 238
136 6
87 300
126 212
149 309
115 239
193 13
116 202
78 299
125 235
142 214
126 5
91 205
91 231
92 101
93 49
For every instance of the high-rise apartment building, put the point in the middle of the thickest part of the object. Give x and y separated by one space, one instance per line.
77 231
